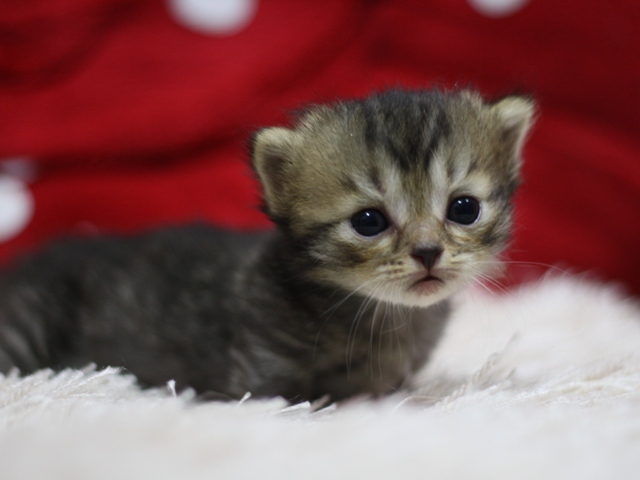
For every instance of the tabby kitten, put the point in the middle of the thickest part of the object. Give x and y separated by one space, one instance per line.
384 207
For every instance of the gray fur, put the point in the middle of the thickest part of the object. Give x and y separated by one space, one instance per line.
308 310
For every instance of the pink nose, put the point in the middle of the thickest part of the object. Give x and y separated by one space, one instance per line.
428 256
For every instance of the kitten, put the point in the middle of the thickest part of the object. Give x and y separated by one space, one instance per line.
384 207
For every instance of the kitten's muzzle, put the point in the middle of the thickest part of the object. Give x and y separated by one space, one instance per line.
428 256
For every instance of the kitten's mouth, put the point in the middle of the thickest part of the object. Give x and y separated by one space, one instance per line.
428 285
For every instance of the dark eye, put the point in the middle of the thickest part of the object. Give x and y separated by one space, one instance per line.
464 210
369 222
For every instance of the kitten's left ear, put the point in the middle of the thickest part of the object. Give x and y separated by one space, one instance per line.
271 158
516 115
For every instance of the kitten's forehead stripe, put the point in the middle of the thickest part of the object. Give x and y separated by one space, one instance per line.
440 131
374 177
349 184
408 126
438 189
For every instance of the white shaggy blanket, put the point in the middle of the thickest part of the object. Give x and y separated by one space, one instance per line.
541 383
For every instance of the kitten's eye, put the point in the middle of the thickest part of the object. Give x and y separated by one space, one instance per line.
464 210
369 222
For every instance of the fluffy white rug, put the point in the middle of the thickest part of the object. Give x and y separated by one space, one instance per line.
541 383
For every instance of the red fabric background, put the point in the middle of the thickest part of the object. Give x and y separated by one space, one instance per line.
134 120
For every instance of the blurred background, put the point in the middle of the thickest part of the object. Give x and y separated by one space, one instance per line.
121 115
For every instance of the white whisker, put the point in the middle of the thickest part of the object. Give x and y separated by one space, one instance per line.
529 264
351 339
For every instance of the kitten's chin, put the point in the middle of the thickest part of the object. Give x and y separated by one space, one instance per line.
426 294
427 286
429 290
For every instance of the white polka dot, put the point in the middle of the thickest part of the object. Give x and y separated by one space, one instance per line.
16 207
214 17
497 8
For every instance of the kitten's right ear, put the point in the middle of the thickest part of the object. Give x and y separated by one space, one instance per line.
271 159
516 114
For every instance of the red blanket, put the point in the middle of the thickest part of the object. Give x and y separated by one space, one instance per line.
132 114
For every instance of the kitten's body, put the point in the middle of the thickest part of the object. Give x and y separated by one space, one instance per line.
322 305
217 311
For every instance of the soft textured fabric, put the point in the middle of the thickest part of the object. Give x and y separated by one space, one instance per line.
541 383
130 117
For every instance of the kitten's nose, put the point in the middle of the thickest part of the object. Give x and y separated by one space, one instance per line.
428 256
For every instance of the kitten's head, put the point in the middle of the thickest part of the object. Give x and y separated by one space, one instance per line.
404 196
